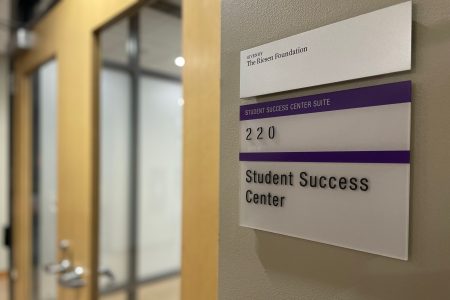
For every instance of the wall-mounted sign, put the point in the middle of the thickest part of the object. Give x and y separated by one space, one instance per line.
331 168
371 44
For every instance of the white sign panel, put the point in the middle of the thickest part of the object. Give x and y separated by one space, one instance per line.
332 168
367 45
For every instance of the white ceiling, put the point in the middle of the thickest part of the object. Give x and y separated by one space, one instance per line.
160 37
4 19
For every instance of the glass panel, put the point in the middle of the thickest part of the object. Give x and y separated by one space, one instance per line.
114 174
160 141
160 38
45 179
114 162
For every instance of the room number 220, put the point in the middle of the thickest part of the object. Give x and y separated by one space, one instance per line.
260 133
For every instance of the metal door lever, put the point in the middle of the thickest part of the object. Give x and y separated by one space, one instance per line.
70 276
73 279
57 268
108 274
64 265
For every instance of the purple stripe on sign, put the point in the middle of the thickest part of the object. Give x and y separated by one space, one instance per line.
376 157
385 94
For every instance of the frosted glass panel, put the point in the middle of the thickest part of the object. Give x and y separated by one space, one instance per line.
160 154
114 174
45 207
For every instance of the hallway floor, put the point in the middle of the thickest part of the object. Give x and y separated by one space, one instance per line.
168 289
3 287
163 290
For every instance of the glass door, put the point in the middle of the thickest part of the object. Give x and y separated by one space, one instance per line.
141 155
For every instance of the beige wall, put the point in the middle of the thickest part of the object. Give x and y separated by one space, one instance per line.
260 265
4 161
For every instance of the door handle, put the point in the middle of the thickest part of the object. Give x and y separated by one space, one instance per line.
70 276
106 272
72 279
64 265
56 268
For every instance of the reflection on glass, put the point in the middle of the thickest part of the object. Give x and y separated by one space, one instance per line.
114 174
44 179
